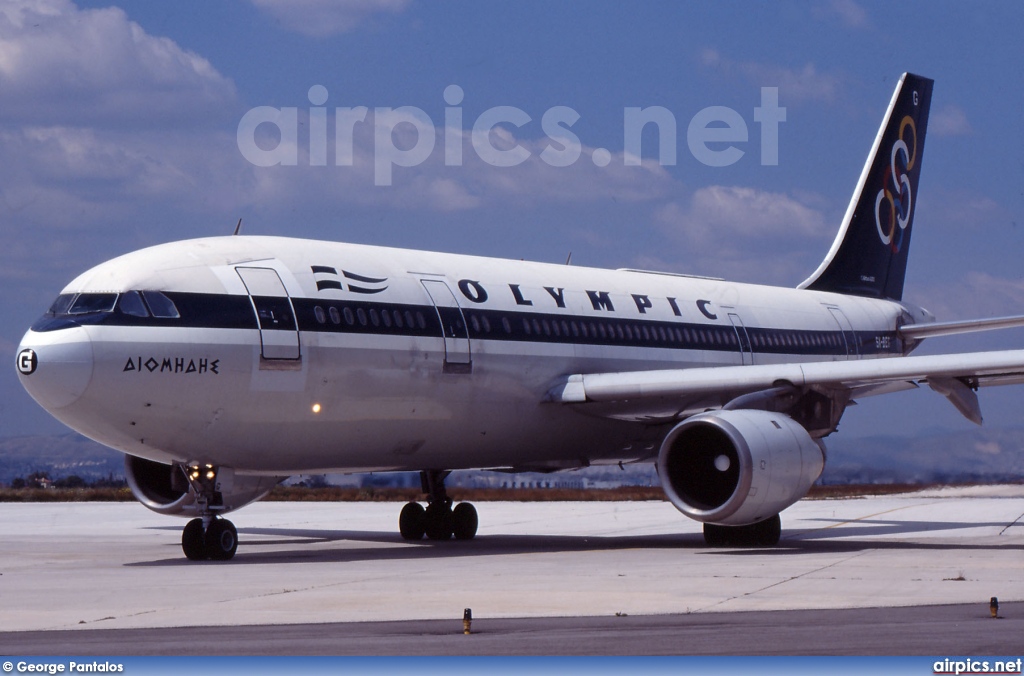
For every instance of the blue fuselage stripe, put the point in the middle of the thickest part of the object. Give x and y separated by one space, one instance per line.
224 311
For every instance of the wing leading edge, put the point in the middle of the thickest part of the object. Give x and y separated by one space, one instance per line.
954 375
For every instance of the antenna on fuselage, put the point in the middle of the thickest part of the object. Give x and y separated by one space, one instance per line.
568 259
238 227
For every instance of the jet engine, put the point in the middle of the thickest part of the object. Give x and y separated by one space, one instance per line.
738 467
165 490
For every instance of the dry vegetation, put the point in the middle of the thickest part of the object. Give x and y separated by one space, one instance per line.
122 494
337 494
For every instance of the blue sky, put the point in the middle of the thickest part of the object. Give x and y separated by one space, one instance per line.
118 130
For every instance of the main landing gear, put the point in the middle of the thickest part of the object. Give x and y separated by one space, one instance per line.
761 534
438 521
208 536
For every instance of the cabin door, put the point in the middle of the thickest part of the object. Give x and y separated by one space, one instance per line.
457 358
279 332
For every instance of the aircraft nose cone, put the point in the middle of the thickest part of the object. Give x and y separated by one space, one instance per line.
55 367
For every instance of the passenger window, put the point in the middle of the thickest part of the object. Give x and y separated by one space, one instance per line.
93 302
321 318
131 304
160 305
61 305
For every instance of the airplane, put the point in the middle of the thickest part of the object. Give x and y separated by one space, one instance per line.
221 366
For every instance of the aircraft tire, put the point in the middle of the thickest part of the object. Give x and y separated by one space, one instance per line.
761 534
439 521
412 522
768 532
221 540
193 541
464 521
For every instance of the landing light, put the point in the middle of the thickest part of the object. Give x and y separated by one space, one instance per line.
316 408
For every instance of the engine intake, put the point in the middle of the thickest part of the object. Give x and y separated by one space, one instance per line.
165 490
738 467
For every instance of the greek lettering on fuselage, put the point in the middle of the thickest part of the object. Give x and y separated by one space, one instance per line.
182 365
601 301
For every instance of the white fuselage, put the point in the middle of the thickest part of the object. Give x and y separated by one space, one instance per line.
366 381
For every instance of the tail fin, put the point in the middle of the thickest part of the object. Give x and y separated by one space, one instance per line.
869 255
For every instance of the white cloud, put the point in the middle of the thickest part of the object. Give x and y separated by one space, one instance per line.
805 83
743 234
718 211
972 295
322 18
988 447
62 65
849 12
434 185
962 209
950 121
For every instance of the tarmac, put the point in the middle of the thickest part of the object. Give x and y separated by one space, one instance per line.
81 569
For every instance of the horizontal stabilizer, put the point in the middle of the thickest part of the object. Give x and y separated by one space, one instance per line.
934 329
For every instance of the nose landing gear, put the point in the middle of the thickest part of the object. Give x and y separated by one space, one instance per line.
438 521
207 536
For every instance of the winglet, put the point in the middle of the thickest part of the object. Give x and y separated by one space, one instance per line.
869 255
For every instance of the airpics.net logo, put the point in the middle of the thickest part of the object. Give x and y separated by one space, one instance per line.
714 135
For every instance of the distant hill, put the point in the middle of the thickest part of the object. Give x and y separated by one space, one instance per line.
978 456
59 455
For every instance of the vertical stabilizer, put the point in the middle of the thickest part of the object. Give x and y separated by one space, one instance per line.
869 255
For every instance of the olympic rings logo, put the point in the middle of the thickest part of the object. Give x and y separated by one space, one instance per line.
896 188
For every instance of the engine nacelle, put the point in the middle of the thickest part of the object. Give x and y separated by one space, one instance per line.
164 488
738 467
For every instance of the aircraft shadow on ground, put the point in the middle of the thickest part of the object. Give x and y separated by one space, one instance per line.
297 545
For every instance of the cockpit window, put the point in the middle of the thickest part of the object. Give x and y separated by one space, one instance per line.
131 304
93 302
160 305
61 305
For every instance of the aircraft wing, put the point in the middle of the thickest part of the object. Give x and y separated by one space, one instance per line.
954 375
